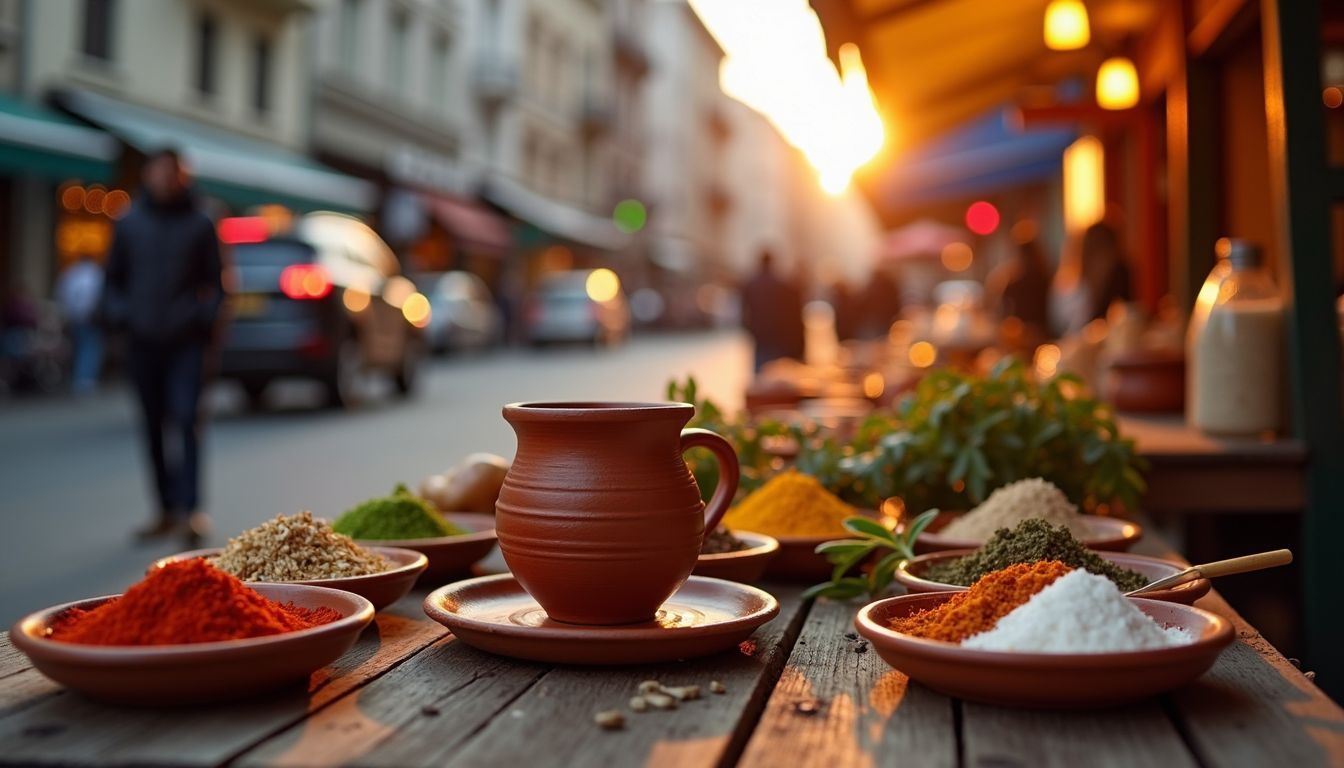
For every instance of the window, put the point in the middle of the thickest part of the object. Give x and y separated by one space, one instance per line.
439 71
398 49
348 55
99 19
261 73
207 32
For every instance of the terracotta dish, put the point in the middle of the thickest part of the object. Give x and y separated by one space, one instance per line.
908 574
381 589
705 616
196 673
599 516
1046 680
745 565
798 560
449 556
1109 534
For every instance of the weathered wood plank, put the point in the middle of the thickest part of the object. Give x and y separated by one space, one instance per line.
422 710
1255 708
24 689
551 724
1140 734
12 661
58 727
455 705
865 712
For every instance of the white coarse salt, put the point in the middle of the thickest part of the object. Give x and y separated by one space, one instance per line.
1079 613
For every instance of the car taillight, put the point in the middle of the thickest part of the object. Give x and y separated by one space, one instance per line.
305 281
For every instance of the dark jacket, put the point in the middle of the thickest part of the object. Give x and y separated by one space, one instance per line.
163 273
772 312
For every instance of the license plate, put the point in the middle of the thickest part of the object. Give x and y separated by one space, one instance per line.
248 304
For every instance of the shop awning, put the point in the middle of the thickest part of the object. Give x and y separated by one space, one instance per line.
470 222
555 219
239 171
35 139
979 158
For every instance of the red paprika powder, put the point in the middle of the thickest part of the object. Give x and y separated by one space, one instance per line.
185 602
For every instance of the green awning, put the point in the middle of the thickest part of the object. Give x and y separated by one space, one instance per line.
240 171
42 141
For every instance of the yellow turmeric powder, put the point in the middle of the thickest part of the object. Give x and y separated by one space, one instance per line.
790 504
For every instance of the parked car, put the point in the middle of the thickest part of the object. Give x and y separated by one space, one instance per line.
580 305
325 300
463 312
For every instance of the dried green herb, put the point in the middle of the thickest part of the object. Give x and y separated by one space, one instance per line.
1030 542
400 515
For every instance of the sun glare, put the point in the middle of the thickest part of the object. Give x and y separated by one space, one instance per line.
776 63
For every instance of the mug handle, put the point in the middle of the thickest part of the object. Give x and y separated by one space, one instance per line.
728 472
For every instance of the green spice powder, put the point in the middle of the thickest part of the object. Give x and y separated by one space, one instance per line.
399 516
1031 541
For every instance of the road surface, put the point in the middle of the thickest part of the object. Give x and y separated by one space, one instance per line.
73 481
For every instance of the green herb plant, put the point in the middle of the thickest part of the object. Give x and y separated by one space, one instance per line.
844 554
958 437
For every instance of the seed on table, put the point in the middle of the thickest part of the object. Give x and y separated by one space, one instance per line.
660 701
806 707
683 693
650 686
611 719
716 687
639 704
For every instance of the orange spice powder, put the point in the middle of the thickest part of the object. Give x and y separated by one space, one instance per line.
979 608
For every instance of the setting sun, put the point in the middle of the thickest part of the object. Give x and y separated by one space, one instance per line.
776 63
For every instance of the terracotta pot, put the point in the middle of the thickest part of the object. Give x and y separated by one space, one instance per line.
599 518
1147 382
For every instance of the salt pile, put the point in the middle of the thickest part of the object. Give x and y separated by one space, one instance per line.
1015 502
1079 613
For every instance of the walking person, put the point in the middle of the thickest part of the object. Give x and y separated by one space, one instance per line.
772 312
78 291
163 289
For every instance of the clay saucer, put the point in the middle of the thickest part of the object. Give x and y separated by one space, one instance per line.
908 574
704 616
745 565
1046 680
1109 534
381 589
449 555
196 673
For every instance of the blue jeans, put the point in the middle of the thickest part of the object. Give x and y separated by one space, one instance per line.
168 381
86 356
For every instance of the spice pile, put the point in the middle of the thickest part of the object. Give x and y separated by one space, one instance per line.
1031 541
722 541
1080 613
402 515
189 601
1046 607
1028 499
297 548
980 607
790 504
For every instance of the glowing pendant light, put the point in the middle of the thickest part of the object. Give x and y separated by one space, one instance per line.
1066 27
1117 84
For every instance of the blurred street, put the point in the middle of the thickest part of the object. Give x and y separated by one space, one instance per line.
75 483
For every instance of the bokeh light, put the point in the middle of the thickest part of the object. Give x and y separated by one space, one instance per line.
957 257
72 198
603 285
630 216
1332 97
982 217
93 199
1117 84
1066 25
356 300
922 354
416 309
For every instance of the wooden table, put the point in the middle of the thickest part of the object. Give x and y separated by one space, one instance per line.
799 693
1194 472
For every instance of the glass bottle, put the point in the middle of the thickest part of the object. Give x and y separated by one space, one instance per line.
1234 347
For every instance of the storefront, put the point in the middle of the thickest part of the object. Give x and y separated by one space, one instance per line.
42 154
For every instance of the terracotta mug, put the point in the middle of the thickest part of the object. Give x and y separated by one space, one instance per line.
599 518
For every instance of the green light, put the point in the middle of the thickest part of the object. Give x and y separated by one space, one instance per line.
630 216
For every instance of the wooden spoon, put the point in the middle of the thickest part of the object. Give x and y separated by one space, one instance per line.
1242 564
